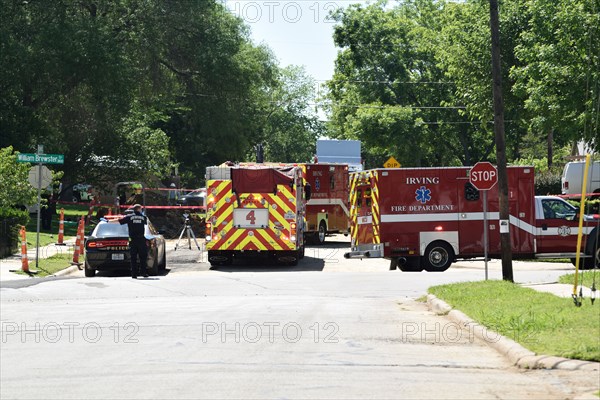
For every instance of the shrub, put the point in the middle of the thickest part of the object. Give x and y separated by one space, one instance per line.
547 182
592 206
11 220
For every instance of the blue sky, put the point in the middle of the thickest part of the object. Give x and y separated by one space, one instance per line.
298 31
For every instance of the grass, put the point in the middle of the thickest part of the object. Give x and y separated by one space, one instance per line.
541 322
72 215
585 277
50 265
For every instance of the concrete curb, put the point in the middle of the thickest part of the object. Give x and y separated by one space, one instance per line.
66 271
516 354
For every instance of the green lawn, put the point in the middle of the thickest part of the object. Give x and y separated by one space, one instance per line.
541 322
72 215
51 265
584 277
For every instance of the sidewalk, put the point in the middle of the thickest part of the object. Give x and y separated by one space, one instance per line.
13 263
557 289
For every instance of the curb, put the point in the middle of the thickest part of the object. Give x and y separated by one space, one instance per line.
66 271
516 354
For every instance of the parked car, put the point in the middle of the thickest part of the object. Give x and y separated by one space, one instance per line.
107 248
194 198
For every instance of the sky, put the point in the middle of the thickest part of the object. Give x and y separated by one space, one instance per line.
298 32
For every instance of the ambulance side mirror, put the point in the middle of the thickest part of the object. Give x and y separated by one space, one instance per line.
307 191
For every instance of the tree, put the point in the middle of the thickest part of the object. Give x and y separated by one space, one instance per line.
288 123
559 71
15 189
130 86
389 92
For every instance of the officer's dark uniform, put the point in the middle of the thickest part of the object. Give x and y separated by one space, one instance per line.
137 243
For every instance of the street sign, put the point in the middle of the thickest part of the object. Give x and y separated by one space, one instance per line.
41 158
34 176
391 163
483 175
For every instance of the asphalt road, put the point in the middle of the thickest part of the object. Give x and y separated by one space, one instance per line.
328 328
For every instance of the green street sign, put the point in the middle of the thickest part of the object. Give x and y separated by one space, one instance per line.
41 158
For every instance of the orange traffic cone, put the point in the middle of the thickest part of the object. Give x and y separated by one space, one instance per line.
81 234
78 240
24 260
61 228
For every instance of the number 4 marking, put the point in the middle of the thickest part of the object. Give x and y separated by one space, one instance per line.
251 217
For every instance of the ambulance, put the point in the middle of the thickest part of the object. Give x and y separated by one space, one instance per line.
427 218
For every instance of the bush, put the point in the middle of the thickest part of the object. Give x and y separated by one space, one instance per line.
592 206
11 220
547 182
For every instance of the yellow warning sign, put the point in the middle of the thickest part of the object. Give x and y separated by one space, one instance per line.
391 163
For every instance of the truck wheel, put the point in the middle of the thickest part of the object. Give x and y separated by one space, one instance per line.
219 258
412 264
89 271
321 233
438 257
592 249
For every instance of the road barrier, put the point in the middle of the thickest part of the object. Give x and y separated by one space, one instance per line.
79 243
61 228
24 260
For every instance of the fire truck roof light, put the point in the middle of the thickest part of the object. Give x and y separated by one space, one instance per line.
439 228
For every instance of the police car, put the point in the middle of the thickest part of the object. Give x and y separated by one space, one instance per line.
107 248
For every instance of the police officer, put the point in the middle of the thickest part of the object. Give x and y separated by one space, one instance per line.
137 242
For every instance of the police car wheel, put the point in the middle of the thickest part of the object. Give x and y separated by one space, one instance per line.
154 269
438 257
89 272
163 262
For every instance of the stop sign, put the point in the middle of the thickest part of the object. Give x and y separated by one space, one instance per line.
483 175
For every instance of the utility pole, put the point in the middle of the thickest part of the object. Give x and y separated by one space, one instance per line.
507 271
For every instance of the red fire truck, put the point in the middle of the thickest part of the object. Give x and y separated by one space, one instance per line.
255 210
327 210
426 218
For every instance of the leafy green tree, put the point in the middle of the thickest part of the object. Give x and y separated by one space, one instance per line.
389 92
559 73
288 123
15 189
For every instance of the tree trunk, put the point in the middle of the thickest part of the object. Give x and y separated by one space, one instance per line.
550 149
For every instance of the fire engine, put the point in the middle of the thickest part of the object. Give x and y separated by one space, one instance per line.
426 218
327 210
255 210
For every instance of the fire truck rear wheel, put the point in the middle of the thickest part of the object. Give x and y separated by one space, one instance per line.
438 257
219 259
412 264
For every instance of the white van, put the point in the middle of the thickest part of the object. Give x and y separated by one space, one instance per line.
572 178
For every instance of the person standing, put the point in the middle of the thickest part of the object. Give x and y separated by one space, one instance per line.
136 224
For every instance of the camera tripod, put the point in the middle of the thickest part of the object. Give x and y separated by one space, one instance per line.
187 229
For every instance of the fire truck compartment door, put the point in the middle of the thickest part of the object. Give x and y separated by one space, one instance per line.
251 218
426 238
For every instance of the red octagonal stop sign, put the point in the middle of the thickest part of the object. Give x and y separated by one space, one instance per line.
483 175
